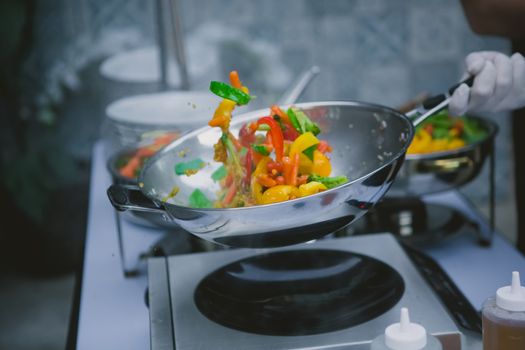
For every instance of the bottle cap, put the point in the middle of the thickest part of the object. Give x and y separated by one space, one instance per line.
405 335
512 298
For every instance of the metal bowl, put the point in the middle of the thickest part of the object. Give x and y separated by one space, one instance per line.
369 143
143 218
132 119
441 171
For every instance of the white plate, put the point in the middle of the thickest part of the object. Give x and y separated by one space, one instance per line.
142 65
173 108
135 66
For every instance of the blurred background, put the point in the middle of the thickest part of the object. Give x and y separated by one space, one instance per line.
62 62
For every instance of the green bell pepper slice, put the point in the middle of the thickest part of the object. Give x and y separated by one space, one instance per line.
229 92
329 182
198 199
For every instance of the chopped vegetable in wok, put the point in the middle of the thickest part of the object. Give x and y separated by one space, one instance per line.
172 194
301 122
130 165
190 167
228 92
219 174
199 200
275 158
329 182
442 132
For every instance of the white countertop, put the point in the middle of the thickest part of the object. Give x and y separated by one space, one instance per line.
113 314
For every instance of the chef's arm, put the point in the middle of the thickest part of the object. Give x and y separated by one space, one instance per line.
496 17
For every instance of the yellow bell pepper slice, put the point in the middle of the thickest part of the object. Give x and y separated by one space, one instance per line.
311 187
421 143
279 193
437 145
256 187
223 114
456 143
300 144
305 164
321 165
303 142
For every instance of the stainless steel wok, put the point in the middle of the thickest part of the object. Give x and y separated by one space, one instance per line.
152 218
369 143
441 171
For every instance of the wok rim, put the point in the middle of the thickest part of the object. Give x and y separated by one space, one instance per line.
492 130
262 112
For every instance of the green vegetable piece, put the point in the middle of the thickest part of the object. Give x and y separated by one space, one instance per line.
122 161
261 149
231 150
309 152
301 122
219 174
229 92
473 132
440 133
329 182
190 167
198 199
309 125
295 122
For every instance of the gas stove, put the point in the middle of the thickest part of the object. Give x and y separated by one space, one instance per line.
337 293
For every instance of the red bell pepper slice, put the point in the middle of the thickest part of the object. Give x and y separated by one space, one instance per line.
324 146
248 164
295 170
289 132
232 191
246 136
276 135
280 113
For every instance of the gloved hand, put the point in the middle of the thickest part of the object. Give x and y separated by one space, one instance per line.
499 84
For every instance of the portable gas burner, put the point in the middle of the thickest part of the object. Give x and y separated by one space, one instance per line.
336 293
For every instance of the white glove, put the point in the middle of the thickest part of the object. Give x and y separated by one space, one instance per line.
499 84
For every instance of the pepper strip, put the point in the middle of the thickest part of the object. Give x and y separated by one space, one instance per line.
239 96
235 80
287 170
222 115
232 191
256 187
248 163
276 135
280 113
295 170
303 142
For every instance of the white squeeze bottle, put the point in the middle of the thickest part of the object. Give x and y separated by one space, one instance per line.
504 318
405 336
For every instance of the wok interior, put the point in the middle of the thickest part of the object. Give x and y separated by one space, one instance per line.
363 137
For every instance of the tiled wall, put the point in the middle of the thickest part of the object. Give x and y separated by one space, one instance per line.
382 51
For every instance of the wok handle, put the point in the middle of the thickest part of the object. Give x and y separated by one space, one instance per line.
130 197
292 95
